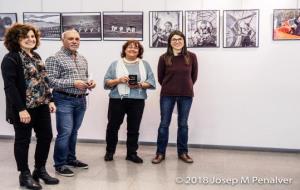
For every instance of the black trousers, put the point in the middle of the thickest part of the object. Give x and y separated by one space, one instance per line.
117 109
41 123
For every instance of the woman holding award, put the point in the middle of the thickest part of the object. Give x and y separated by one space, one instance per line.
127 79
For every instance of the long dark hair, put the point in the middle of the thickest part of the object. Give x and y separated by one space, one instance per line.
169 54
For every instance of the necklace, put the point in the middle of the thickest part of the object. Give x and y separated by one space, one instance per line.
128 61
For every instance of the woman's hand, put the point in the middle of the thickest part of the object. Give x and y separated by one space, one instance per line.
116 81
24 117
134 86
123 79
52 107
142 85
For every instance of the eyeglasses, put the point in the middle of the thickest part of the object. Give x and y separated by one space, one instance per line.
133 47
176 39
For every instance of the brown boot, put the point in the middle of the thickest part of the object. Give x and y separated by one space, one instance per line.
158 159
186 158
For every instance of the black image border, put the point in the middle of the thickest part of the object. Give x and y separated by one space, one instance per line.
16 18
150 14
224 31
125 13
82 38
219 27
48 39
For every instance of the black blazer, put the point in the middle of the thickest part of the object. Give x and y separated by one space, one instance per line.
14 86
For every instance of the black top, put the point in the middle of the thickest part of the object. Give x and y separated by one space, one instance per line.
14 86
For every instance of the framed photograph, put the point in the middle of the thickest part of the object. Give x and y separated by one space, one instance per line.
286 24
6 20
240 28
121 26
48 23
162 23
202 28
87 24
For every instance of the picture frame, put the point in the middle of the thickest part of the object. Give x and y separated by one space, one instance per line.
49 23
88 24
202 28
6 20
241 28
286 24
122 26
161 24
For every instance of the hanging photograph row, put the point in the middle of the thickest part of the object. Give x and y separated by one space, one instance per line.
202 27
116 25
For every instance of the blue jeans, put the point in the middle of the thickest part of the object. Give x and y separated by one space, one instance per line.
167 104
69 115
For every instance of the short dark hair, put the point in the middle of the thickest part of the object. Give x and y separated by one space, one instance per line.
136 44
17 32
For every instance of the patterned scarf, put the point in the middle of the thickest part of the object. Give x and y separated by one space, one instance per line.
37 88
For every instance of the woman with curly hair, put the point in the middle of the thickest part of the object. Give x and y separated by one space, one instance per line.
28 102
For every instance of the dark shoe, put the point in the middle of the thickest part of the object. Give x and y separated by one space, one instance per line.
186 158
64 171
109 156
134 158
158 159
26 180
77 164
41 173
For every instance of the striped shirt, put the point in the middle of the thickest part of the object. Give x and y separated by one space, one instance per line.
64 68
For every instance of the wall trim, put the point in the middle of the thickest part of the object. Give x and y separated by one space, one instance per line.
203 146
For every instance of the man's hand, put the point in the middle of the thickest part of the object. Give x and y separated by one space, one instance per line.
80 84
91 84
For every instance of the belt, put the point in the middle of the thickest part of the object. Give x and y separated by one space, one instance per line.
72 95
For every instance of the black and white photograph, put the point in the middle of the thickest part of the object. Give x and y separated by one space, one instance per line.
162 23
6 20
241 28
48 23
121 26
87 24
286 24
202 28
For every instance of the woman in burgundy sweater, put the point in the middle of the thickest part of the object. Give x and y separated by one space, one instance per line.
177 73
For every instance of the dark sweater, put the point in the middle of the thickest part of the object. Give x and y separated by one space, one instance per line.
177 79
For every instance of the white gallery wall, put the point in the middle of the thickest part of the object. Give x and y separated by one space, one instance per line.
243 97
